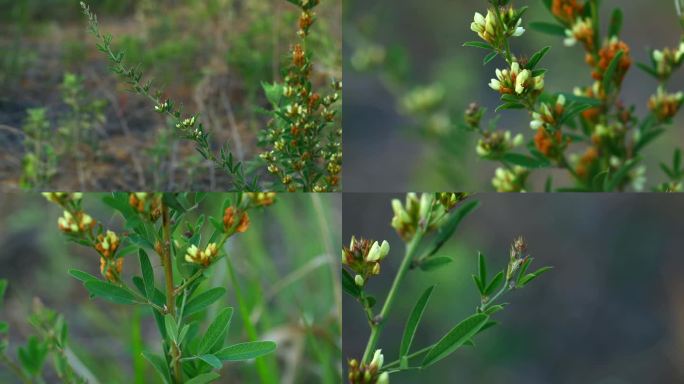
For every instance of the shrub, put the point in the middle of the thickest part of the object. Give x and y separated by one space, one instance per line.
303 144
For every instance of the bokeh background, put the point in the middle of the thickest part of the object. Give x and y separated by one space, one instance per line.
385 151
610 312
210 55
285 263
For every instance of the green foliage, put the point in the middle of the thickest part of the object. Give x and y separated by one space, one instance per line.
425 224
593 117
40 160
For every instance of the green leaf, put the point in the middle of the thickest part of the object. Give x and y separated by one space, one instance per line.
582 99
490 56
619 176
432 263
548 28
211 360
573 111
531 276
494 284
413 321
204 378
455 338
147 273
203 300
274 93
246 351
447 229
171 327
609 74
82 276
507 106
110 292
216 331
348 284
493 309
3 327
482 270
524 161
3 288
159 365
615 23
647 137
477 44
32 356
648 69
536 58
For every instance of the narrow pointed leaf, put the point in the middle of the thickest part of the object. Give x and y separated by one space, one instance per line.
494 284
246 351
203 300
216 331
211 360
449 227
82 276
147 273
159 365
413 321
204 378
455 338
110 292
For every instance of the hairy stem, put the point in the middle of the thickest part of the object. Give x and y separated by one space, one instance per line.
376 329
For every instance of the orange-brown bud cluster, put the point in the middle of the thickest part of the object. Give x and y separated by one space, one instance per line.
229 217
586 162
566 10
111 269
606 55
139 202
298 56
306 20
549 144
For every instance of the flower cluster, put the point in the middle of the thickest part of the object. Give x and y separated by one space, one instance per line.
548 117
202 257
62 198
517 81
261 199
145 203
510 180
363 257
110 265
498 25
667 60
427 211
496 144
298 153
75 222
231 224
582 30
368 373
665 105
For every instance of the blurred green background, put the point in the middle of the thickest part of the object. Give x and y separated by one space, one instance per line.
610 312
425 44
210 55
285 263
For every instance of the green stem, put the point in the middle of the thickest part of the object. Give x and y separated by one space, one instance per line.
168 279
376 329
15 369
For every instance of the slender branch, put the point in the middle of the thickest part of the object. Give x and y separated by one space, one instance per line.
15 369
376 329
168 279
